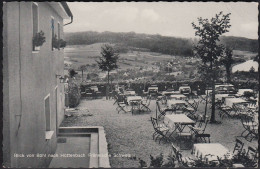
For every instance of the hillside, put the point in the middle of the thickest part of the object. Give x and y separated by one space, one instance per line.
154 43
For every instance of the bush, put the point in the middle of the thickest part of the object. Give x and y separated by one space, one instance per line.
73 93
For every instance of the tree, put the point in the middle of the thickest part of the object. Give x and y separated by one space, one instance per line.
227 61
72 73
82 68
208 49
108 61
252 70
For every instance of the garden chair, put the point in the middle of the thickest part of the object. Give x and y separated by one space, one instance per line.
250 127
121 107
252 153
89 93
238 146
184 137
136 106
160 110
225 111
194 104
146 104
198 131
184 161
115 98
159 131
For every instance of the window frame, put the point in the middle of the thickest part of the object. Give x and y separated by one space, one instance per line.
49 132
52 32
35 49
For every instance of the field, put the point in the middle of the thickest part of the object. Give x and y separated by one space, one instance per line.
88 54
138 64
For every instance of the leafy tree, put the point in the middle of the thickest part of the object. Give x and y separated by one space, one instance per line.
208 49
82 68
252 70
108 61
227 61
72 73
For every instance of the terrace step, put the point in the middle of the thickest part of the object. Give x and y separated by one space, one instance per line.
78 130
67 134
94 150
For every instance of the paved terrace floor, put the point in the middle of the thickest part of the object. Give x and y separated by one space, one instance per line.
129 134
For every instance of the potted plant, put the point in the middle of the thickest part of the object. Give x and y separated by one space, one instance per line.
38 40
58 43
62 43
55 42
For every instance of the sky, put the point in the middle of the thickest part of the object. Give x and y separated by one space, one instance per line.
164 18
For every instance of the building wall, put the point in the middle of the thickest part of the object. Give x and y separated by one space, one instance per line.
28 78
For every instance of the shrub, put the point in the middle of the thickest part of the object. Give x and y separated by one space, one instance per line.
158 162
73 93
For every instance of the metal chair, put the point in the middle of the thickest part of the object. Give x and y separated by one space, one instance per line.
238 146
159 132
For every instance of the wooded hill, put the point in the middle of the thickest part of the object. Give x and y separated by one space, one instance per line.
154 43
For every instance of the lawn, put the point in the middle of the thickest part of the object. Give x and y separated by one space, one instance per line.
132 134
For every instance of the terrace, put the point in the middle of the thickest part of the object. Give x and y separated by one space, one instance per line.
129 135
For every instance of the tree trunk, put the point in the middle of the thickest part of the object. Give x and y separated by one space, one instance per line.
206 106
212 119
82 75
228 75
107 91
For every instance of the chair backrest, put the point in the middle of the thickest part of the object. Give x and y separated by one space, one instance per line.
175 150
158 106
153 122
251 153
246 118
177 153
238 146
121 98
148 101
205 125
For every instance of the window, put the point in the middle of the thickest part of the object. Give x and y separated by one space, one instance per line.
35 22
58 31
47 113
56 107
52 32
47 110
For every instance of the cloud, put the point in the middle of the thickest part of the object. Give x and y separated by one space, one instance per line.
150 15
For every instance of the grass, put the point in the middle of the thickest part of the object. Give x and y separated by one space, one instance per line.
132 134
88 54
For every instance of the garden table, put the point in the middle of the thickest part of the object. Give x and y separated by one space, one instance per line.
133 98
220 96
178 96
166 93
153 88
210 151
129 93
94 88
230 101
178 121
242 91
174 102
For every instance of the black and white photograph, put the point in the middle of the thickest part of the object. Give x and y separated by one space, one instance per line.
130 84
